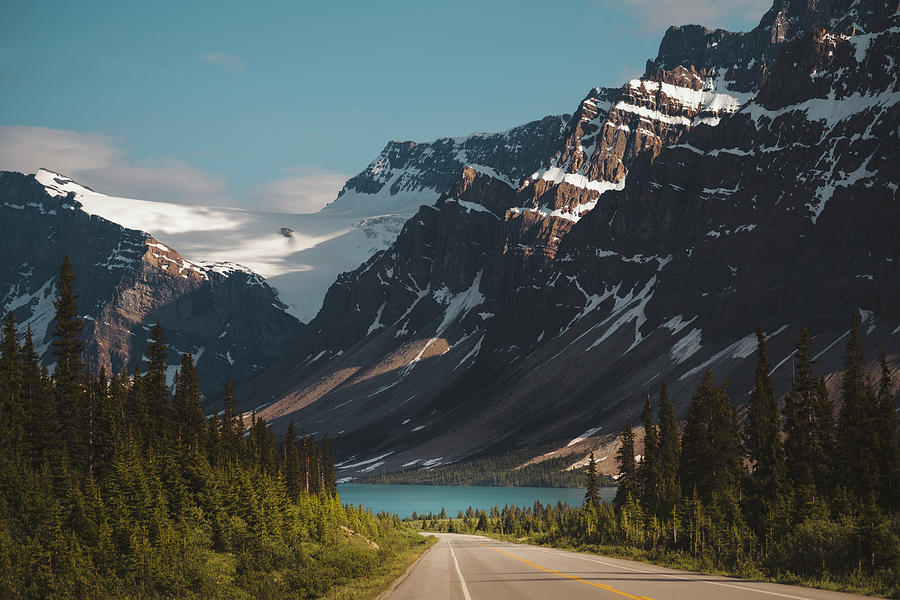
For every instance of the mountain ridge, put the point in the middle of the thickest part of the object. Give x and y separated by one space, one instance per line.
491 285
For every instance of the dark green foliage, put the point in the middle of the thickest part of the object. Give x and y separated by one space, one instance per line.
669 457
187 404
114 488
629 486
592 489
808 425
815 533
762 439
67 345
711 452
156 391
649 471
857 466
887 445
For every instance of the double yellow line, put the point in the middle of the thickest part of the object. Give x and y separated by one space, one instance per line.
602 586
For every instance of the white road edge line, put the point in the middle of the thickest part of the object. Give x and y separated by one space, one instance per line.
462 581
729 585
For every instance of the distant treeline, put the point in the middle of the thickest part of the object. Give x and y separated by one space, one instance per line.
116 487
494 471
805 494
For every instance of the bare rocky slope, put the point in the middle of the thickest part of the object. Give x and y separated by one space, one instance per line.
746 179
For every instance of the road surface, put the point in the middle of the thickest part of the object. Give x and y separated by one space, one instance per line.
470 567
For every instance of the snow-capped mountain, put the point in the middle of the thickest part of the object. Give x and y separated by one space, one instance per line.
228 317
746 179
300 255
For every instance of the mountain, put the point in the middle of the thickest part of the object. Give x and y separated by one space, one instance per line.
746 179
228 317
223 253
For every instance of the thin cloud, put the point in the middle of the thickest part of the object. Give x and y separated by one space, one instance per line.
95 160
655 14
232 62
306 190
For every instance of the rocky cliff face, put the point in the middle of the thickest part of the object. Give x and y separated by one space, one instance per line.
408 174
227 317
747 179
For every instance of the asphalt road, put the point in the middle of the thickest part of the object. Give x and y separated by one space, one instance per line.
470 567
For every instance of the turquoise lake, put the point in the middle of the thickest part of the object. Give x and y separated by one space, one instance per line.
403 500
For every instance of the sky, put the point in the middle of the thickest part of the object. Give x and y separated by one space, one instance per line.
273 105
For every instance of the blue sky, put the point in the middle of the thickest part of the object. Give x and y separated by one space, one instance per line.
250 103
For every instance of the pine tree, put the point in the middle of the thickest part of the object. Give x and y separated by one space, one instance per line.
857 467
648 472
106 425
68 376
668 456
156 392
291 462
808 425
232 430
887 445
136 408
38 403
12 417
627 482
711 452
762 438
188 403
592 492
328 466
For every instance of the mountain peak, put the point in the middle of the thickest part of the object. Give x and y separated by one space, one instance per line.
57 184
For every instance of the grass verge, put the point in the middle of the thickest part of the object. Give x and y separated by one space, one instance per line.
381 579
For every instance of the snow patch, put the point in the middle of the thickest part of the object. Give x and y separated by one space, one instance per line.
687 346
584 436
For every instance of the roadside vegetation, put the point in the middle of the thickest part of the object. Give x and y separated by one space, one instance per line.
807 495
118 488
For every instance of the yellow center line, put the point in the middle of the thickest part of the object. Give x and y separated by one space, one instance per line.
602 586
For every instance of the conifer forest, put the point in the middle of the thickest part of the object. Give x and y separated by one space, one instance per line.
112 486
805 492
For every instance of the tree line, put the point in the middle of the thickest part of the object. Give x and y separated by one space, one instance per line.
803 492
120 486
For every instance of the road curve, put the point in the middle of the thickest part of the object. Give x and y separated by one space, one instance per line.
471 567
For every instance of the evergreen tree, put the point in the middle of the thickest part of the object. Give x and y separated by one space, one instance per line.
808 424
106 425
291 462
328 467
887 445
857 467
38 403
232 429
592 492
669 456
136 407
188 403
156 392
648 472
627 482
711 452
68 376
11 414
762 438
